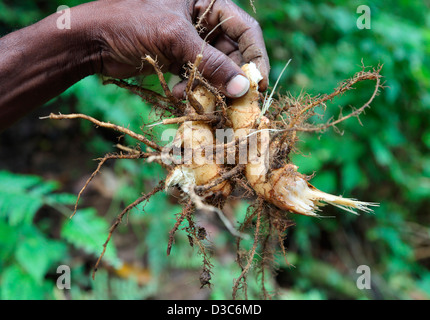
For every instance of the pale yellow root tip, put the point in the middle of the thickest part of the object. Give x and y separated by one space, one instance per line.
306 199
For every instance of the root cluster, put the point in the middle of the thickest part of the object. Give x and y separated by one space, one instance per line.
255 159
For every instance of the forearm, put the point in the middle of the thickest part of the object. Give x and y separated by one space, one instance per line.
41 61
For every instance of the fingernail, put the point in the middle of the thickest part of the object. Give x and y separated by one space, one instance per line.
238 86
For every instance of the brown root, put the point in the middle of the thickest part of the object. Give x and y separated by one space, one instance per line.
240 282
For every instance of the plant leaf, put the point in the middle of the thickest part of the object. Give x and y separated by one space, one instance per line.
89 232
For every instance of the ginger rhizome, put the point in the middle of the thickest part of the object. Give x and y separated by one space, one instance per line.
217 170
284 187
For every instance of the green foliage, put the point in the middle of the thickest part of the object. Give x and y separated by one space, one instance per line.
22 197
88 231
37 253
19 285
29 255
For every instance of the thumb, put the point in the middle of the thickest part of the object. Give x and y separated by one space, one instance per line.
221 71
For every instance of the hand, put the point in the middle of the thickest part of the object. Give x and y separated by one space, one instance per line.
164 29
112 36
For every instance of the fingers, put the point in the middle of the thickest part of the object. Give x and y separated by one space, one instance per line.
179 89
219 69
230 48
223 44
242 29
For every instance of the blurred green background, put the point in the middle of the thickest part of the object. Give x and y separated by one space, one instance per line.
43 164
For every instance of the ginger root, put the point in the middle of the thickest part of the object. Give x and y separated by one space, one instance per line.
284 187
195 134
267 173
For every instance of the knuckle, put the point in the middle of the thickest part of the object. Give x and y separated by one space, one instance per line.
216 70
170 29
253 23
254 27
209 60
